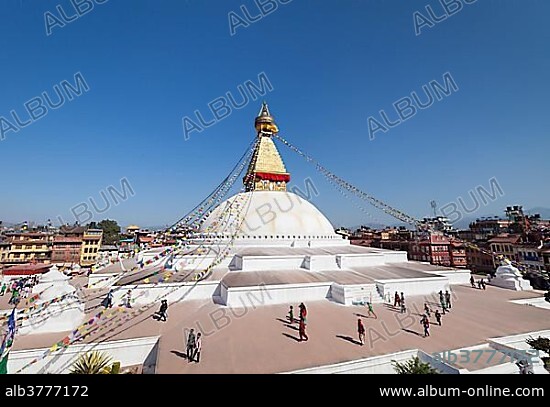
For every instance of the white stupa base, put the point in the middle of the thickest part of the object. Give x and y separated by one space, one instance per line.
508 276
63 316
518 284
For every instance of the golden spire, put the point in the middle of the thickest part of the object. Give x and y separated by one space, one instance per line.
266 171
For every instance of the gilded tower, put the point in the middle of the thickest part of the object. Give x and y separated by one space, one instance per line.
266 171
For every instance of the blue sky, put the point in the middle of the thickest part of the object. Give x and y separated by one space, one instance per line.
332 66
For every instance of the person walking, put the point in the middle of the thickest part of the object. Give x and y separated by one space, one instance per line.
108 301
403 307
14 300
448 299
479 284
302 330
198 348
483 286
371 310
425 322
397 300
303 311
291 315
163 311
438 316
3 289
191 341
427 310
472 282
402 298
128 299
361 331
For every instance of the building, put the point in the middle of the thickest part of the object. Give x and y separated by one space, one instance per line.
108 253
486 228
91 242
457 254
431 247
480 261
78 244
23 270
439 224
27 247
66 249
132 229
529 256
4 251
503 245
545 254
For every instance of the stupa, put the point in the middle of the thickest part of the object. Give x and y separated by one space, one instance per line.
269 240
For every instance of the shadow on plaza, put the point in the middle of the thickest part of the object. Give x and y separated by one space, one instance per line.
349 339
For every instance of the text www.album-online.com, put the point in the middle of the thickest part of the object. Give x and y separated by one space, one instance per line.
482 391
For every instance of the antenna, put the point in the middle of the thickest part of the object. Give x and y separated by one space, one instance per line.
433 204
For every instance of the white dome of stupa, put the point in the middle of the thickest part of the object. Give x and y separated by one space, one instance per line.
268 215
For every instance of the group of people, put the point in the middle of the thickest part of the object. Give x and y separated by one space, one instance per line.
302 323
19 289
399 301
126 299
194 346
480 283
445 300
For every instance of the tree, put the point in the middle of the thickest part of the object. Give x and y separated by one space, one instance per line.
95 363
111 231
540 344
413 366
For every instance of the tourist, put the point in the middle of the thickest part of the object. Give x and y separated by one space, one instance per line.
438 316
3 289
303 311
291 314
14 300
426 324
191 342
302 329
402 298
361 331
371 310
163 310
397 300
483 286
128 299
198 347
108 301
427 309
479 284
444 306
448 299
403 307
472 282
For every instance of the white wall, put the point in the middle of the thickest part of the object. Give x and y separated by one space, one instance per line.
347 294
145 294
373 365
360 260
237 297
461 276
128 352
260 263
411 287
320 262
